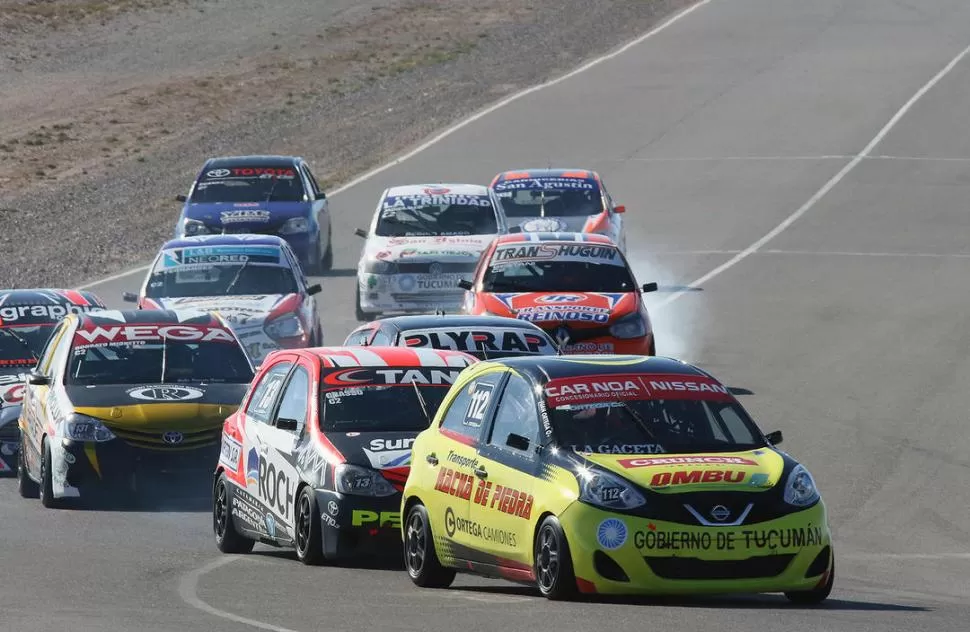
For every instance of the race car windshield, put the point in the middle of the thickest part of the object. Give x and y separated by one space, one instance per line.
655 427
558 276
234 279
550 198
266 184
154 362
436 216
20 345
379 408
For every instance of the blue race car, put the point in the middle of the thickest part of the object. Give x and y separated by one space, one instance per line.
267 195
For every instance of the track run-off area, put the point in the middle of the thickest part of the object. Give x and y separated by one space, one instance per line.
797 178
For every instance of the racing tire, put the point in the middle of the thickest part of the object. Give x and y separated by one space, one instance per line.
228 539
26 486
309 539
553 562
326 262
361 315
814 596
47 498
420 557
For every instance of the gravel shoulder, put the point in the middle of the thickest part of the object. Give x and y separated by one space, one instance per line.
107 113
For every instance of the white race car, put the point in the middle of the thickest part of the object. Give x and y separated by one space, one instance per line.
422 240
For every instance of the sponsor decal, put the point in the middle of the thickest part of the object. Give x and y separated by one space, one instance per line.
435 252
333 508
695 477
561 298
392 377
13 394
244 215
607 388
329 520
543 225
135 334
43 313
252 467
764 539
546 183
173 437
230 452
393 203
493 535
462 461
201 256
492 339
759 479
436 191
270 522
262 172
274 487
498 497
699 459
217 173
632 448
522 252
589 347
165 393
611 533
579 314
246 509
365 518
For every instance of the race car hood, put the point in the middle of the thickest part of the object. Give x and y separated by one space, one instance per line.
578 309
241 216
456 249
237 310
755 470
554 224
180 407
389 452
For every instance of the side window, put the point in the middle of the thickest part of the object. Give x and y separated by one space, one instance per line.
516 425
314 185
470 407
293 404
381 338
264 395
357 337
46 360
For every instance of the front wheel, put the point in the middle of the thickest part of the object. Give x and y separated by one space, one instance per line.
420 556
26 486
326 263
816 595
309 541
553 563
361 315
228 539
47 498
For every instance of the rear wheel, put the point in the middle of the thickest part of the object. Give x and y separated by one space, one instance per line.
228 539
553 563
309 541
420 557
47 498
816 595
326 263
361 315
27 487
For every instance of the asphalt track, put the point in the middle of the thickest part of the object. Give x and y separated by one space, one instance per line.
796 175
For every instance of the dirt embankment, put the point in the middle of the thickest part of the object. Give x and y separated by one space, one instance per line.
110 107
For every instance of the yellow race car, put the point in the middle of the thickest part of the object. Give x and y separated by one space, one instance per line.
610 474
123 403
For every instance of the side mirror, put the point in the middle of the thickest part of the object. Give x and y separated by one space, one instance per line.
650 287
321 195
129 297
180 198
465 285
360 232
38 379
517 442
316 288
286 424
774 438
619 208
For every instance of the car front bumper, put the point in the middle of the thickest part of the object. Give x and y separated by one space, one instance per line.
383 293
359 526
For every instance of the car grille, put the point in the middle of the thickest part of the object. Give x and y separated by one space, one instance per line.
155 439
431 298
442 268
229 229
695 568
576 334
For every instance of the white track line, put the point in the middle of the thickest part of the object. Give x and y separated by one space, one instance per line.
828 186
904 556
469 120
817 253
188 591
794 158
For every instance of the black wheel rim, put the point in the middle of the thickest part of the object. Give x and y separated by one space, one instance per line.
221 513
415 544
547 559
303 525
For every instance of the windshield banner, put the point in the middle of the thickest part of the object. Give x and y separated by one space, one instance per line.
599 389
179 257
528 252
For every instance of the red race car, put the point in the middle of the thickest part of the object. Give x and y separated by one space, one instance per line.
576 286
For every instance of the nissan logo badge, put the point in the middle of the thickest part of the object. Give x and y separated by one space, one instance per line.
720 513
172 438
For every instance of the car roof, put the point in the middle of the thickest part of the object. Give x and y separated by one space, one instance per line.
224 240
594 238
344 357
267 160
116 317
48 296
450 321
546 368
449 188
513 174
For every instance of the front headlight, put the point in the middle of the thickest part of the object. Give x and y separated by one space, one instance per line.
295 225
288 326
379 266
84 428
192 227
361 481
631 326
607 491
800 489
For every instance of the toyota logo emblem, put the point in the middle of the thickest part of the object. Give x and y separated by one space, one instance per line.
434 269
720 513
172 438
562 335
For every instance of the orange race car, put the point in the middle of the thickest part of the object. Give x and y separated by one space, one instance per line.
578 287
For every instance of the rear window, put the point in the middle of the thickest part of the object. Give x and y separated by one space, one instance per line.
550 196
249 184
482 342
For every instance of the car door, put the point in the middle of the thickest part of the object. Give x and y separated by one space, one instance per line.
509 459
453 461
321 206
34 413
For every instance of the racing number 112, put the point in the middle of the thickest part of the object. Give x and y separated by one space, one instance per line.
478 404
